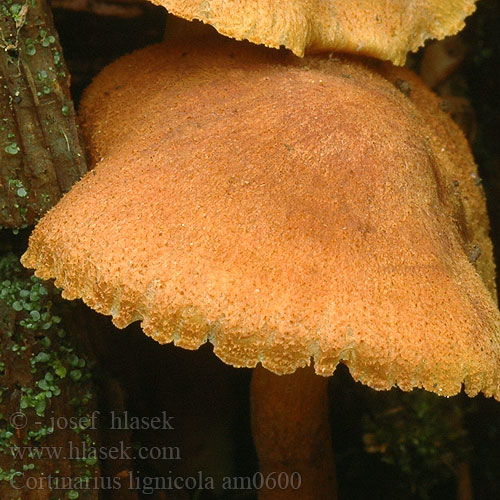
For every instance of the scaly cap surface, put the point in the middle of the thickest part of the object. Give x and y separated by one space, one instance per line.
283 209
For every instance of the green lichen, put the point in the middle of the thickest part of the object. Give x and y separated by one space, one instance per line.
56 56
30 48
54 362
42 75
12 148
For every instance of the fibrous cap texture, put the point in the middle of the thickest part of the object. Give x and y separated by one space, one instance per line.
286 210
386 29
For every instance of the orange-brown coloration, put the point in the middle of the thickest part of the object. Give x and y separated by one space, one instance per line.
283 209
386 30
292 434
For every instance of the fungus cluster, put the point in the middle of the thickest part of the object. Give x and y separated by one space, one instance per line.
291 212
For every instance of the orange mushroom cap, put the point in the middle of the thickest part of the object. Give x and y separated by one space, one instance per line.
286 210
384 29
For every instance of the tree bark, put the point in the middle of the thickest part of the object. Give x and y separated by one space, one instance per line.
40 152
48 418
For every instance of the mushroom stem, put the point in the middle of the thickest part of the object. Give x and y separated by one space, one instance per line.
292 435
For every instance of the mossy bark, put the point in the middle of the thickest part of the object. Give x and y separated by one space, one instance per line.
48 418
40 152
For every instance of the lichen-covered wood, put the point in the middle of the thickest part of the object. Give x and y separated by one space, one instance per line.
40 153
48 417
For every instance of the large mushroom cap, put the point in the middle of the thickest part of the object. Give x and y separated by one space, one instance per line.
386 29
283 209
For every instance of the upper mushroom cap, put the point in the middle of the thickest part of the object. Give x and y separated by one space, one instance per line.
386 29
284 209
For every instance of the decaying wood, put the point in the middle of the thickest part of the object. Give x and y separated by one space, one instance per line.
48 418
40 153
